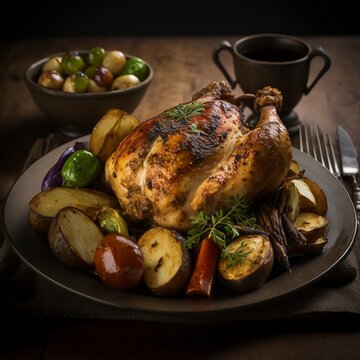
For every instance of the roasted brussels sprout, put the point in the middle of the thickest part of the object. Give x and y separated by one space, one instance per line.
111 222
90 71
96 56
81 82
72 63
51 80
137 67
114 61
124 82
80 169
103 77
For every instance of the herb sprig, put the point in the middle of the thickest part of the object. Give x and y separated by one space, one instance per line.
185 111
221 227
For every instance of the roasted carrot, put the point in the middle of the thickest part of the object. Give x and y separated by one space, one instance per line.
201 281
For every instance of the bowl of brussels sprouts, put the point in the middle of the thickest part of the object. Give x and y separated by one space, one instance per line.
75 89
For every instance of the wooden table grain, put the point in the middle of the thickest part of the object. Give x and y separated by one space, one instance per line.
182 66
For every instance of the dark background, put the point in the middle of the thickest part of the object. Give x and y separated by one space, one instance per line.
139 17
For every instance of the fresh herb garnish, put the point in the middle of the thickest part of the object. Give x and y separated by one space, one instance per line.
185 111
194 129
236 257
221 227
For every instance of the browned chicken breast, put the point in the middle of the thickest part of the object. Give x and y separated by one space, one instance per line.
195 156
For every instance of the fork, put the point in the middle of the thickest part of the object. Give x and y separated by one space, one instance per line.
319 146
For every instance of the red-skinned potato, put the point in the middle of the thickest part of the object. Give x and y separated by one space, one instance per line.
119 262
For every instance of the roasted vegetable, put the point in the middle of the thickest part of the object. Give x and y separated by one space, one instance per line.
111 222
53 64
53 176
320 207
51 80
119 262
45 205
167 262
96 56
117 133
255 268
114 61
72 63
307 198
294 168
292 204
124 82
102 128
201 282
74 237
312 226
80 169
137 67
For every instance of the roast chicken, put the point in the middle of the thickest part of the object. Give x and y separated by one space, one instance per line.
178 163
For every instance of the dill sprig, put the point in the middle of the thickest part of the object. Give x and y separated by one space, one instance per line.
185 111
221 227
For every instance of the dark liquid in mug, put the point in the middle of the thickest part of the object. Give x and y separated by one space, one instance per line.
272 54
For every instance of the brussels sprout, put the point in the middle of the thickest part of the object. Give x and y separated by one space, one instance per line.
53 176
124 82
90 71
103 77
72 64
96 56
81 82
111 222
54 64
80 169
114 61
51 80
137 67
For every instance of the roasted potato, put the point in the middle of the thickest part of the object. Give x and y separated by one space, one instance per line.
312 226
103 126
117 133
119 262
294 168
253 271
109 132
321 206
44 206
167 262
73 238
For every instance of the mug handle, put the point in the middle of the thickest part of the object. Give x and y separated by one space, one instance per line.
327 62
224 45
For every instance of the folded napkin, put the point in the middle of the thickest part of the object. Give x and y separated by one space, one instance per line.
24 293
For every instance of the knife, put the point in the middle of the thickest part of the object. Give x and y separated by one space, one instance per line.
349 164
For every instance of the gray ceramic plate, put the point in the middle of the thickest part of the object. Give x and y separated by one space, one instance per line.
32 248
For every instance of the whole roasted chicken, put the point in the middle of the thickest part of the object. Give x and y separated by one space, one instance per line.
196 155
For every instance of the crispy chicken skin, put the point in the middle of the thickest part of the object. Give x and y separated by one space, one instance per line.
170 169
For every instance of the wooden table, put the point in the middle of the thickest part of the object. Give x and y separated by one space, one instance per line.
182 66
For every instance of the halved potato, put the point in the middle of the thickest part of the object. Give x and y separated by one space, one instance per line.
312 226
102 128
293 203
117 133
253 271
44 206
320 207
307 198
167 262
73 238
294 168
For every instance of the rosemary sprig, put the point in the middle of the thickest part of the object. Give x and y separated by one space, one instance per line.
236 257
194 129
185 111
222 228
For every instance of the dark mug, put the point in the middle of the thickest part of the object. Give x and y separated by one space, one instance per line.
277 60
